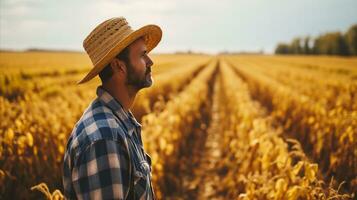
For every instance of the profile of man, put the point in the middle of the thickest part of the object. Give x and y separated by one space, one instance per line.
104 157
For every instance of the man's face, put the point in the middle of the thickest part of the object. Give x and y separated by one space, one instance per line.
139 66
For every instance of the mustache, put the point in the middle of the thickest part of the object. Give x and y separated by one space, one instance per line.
148 70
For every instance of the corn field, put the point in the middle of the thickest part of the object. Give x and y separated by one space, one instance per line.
216 127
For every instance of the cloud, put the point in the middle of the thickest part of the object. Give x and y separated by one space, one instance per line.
187 24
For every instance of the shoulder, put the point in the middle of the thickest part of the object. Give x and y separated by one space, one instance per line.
97 123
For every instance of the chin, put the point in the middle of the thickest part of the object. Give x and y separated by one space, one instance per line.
149 82
146 84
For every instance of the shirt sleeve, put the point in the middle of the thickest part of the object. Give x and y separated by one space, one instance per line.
102 171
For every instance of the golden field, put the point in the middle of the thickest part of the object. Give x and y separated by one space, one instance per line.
216 127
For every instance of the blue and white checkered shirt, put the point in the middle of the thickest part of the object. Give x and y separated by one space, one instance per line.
104 157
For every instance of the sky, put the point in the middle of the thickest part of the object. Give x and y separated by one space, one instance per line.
209 26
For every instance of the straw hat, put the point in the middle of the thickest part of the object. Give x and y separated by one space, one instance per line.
110 37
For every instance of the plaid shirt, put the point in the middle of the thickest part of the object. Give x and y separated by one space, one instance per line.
104 157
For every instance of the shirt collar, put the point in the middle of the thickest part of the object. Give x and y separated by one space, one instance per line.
125 116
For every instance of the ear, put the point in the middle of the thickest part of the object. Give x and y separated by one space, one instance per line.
118 66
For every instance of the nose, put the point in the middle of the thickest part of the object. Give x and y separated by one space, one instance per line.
149 62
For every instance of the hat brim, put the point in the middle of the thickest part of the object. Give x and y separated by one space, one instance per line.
152 35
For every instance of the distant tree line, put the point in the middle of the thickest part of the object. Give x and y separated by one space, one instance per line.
334 43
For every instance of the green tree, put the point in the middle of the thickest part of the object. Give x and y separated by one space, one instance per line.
282 49
295 46
331 44
351 39
307 49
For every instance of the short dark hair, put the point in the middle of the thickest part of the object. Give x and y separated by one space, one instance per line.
107 72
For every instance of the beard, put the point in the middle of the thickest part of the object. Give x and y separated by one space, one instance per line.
138 80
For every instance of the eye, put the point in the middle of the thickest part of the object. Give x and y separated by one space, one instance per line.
144 54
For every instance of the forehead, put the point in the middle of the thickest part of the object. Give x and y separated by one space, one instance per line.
138 45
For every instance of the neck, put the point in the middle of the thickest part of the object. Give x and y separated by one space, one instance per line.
123 93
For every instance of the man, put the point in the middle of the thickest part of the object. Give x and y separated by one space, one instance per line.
104 157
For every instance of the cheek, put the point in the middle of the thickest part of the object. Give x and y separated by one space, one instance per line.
143 62
139 66
142 65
